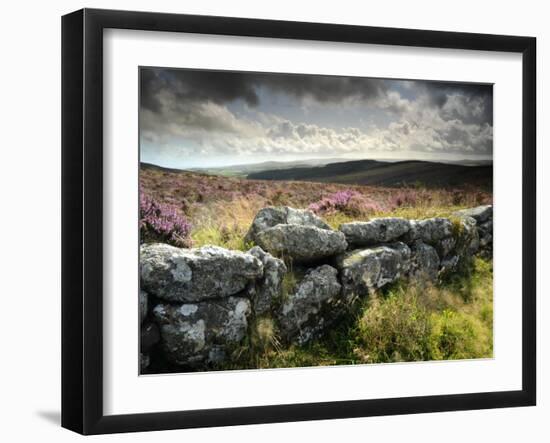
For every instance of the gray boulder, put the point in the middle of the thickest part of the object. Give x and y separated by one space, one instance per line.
364 270
142 306
483 216
301 243
376 231
468 237
190 275
202 333
424 261
445 246
431 230
480 213
272 216
267 289
436 232
466 245
308 311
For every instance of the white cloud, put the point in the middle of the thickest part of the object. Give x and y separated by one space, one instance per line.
420 124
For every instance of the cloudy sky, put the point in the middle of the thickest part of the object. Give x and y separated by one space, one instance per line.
191 118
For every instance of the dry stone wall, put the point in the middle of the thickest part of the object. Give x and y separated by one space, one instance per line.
198 305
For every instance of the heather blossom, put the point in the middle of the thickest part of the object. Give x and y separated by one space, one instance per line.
349 202
162 222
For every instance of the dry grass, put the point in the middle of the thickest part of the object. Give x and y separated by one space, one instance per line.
221 209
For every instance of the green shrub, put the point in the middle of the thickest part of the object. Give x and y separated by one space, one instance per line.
394 328
457 335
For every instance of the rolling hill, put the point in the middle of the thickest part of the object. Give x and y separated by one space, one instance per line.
373 172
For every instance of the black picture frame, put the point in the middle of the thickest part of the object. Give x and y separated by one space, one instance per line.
82 218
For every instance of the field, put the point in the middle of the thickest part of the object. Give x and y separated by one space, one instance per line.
220 209
448 319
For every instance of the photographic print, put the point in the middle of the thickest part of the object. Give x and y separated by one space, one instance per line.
299 220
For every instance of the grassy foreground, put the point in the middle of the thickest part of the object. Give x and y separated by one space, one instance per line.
450 320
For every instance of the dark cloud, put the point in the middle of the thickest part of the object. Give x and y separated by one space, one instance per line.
324 89
179 105
225 86
190 85
476 99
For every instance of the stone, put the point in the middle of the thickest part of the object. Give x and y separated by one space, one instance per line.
301 243
272 216
149 337
311 307
480 213
424 261
143 300
267 289
375 231
430 230
468 237
192 275
364 270
202 333
445 246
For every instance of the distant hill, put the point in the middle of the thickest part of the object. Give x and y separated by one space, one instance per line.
151 166
246 169
373 172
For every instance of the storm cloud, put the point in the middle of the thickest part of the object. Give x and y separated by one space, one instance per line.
196 115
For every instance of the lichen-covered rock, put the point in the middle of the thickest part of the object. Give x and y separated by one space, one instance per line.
430 230
202 333
268 288
312 306
480 213
301 243
363 270
272 216
190 275
424 261
149 336
376 231
143 300
483 216
445 246
468 237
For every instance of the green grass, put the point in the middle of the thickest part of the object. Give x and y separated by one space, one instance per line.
408 212
409 321
225 238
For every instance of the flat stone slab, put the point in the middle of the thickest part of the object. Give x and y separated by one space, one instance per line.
376 231
480 213
177 274
301 243
430 230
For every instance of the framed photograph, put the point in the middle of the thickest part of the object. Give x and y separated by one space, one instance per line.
269 221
